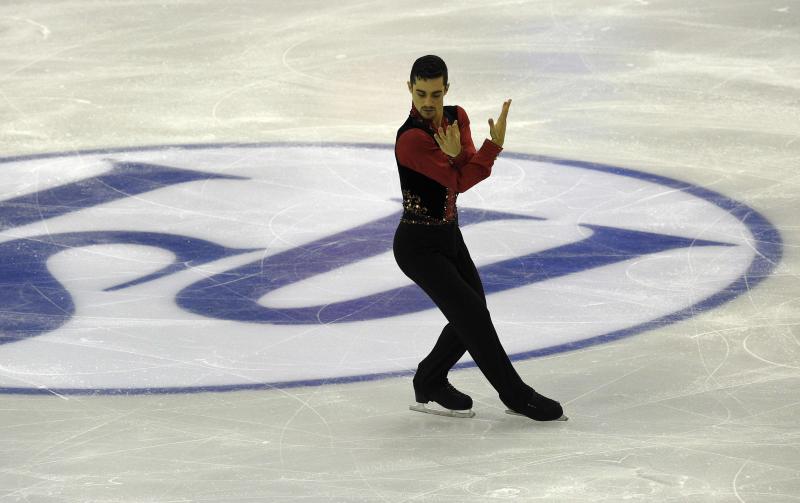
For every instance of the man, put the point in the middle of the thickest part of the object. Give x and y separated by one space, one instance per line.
436 160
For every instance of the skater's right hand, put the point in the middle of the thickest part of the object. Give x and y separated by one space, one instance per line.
498 129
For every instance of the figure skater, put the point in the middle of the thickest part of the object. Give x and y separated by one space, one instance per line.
436 161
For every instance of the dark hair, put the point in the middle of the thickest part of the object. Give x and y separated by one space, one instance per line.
429 67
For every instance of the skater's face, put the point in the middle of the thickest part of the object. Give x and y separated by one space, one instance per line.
428 96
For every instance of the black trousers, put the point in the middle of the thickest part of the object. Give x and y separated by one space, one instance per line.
436 258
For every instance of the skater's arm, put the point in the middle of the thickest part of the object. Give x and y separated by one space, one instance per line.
476 166
467 147
418 151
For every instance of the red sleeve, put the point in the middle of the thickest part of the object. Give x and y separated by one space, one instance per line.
467 147
418 150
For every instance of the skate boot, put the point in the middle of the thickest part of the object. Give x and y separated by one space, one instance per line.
453 402
534 406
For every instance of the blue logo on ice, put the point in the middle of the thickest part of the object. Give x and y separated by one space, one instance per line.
36 303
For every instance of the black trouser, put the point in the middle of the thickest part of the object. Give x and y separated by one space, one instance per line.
436 258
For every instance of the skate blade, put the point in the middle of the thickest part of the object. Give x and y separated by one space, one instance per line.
421 407
508 411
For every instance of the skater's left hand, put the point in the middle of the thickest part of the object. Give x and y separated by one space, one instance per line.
498 129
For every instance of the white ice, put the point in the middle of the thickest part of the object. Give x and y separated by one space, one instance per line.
704 409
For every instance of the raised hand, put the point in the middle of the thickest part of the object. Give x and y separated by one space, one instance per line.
498 129
449 141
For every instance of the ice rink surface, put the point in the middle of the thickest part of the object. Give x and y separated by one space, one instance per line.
126 376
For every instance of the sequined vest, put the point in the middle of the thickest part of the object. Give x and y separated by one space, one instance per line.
425 201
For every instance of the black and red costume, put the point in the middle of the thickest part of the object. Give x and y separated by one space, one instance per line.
430 250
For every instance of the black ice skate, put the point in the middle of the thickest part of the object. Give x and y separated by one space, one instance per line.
454 402
535 406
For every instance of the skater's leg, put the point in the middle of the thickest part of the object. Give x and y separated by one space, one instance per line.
426 256
466 311
445 353
466 267
449 348
532 403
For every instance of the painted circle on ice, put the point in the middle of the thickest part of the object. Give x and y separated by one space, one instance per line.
243 266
